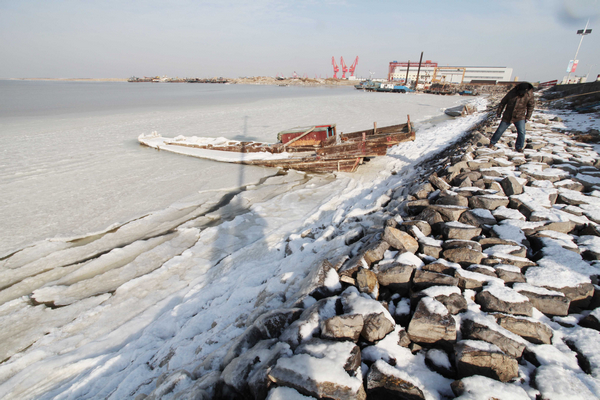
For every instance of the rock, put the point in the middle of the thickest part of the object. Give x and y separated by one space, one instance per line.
477 218
457 230
432 323
423 190
474 357
307 325
505 300
423 226
486 331
532 330
590 321
580 295
366 281
399 240
463 256
449 213
455 303
549 302
480 387
432 217
252 367
438 182
455 200
167 384
376 327
321 348
458 243
511 186
243 343
482 269
309 376
314 284
473 280
509 273
440 267
416 206
385 382
342 327
472 176
272 323
375 251
395 276
489 202
430 247
424 279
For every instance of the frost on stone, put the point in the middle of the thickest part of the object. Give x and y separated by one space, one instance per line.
559 268
408 258
286 393
356 303
434 291
319 377
557 383
509 232
480 387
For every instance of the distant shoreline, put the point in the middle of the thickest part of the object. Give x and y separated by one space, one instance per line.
71 79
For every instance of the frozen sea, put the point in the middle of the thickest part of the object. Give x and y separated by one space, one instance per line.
123 264
71 163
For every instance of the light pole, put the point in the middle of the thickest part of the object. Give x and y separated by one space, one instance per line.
589 70
582 32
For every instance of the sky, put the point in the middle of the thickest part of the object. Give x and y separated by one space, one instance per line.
235 38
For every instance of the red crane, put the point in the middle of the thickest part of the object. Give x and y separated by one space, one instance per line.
336 69
344 68
353 66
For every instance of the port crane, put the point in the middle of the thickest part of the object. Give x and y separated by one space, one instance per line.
353 66
336 69
344 67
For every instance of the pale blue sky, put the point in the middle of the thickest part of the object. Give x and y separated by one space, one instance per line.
231 38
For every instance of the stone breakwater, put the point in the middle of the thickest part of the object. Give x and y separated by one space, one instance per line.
481 283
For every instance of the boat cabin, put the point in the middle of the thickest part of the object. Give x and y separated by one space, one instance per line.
307 136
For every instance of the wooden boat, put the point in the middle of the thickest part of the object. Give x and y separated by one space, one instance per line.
459 111
317 148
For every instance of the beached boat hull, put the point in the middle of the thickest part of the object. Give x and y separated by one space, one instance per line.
344 152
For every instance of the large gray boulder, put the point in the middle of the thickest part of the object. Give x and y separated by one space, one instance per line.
482 329
342 327
424 279
385 382
395 276
530 329
550 302
400 240
432 323
458 230
246 375
463 256
496 298
476 357
311 376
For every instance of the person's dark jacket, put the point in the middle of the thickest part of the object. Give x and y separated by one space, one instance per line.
518 103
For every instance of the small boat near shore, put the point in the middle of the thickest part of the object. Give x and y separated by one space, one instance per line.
459 111
316 148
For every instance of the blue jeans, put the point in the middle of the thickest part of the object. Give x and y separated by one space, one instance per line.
520 125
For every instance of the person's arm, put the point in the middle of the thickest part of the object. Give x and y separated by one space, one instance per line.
530 107
501 106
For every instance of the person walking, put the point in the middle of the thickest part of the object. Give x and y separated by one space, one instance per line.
517 106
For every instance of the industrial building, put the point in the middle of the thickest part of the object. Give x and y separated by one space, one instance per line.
431 72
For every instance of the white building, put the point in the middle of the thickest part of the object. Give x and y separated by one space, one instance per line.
430 72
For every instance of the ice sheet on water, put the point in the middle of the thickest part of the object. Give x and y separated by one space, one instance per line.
196 302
